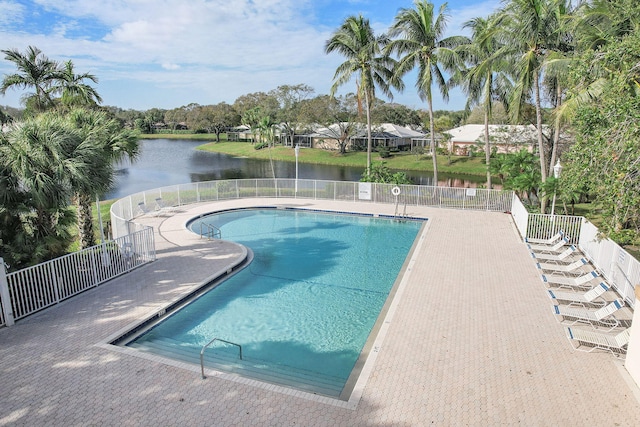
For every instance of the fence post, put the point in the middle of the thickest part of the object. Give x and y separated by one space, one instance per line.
5 298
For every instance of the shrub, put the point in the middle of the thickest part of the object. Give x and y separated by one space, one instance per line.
384 152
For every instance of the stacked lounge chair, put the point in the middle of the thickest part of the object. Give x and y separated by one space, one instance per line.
549 248
568 255
593 297
586 340
575 268
581 282
550 241
603 317
570 279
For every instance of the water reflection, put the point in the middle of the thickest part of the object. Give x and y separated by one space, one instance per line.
164 162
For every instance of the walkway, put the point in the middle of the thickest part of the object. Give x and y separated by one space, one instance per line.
471 340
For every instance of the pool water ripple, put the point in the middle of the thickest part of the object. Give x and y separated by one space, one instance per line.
308 301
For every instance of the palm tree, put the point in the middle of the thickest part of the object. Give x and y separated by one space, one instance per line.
39 154
485 80
72 89
104 142
602 21
556 69
363 50
522 175
531 29
35 71
595 24
421 44
266 132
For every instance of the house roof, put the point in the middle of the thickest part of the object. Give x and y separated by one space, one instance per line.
501 134
385 130
390 131
241 128
331 131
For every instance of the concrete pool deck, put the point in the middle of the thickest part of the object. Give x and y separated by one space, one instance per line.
471 340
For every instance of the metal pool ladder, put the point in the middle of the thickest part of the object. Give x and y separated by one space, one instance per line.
208 344
212 232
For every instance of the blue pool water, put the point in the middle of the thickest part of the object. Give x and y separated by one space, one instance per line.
306 304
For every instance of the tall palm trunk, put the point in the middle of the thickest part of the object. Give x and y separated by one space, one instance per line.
556 135
487 148
86 232
369 142
543 164
433 143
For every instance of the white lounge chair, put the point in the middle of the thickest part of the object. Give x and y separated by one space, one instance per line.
573 268
572 282
162 206
586 340
143 209
568 255
601 317
549 248
593 297
550 241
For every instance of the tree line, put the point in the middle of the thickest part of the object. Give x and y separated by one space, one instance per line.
296 107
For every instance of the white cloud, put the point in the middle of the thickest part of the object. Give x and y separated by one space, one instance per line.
461 15
214 50
10 12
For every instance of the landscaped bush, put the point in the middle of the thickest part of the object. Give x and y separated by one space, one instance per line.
384 152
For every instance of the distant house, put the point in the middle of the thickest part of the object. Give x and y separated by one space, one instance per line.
329 137
355 134
390 135
503 138
241 133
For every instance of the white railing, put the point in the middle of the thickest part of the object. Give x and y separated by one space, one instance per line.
541 226
615 264
520 216
124 210
29 290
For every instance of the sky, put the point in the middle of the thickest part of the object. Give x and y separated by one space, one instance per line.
170 53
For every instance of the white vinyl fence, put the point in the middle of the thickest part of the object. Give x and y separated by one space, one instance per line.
129 207
29 290
615 264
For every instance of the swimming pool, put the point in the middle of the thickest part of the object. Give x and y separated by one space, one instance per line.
303 309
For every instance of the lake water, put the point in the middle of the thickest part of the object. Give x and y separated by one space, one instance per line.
164 162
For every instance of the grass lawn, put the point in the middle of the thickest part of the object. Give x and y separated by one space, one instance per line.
398 161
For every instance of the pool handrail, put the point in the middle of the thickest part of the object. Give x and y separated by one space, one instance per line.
212 231
204 347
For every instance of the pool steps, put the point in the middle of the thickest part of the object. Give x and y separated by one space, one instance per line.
228 361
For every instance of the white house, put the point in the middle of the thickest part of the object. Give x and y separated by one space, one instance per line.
240 133
503 138
355 133
389 135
